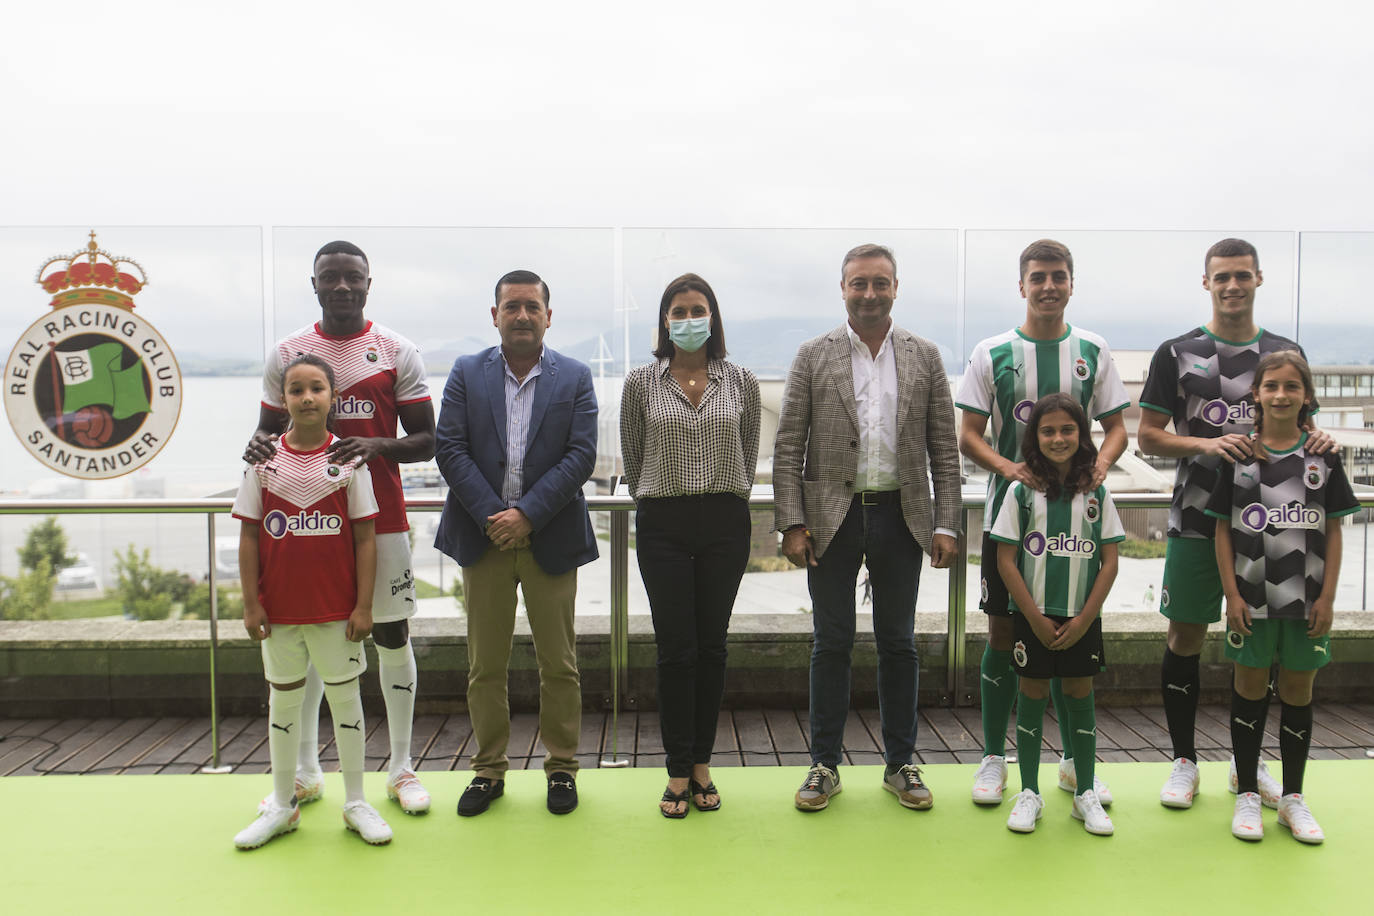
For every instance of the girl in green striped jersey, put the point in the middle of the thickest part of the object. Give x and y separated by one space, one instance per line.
1057 555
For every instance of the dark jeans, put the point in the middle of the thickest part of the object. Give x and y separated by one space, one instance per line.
878 535
692 551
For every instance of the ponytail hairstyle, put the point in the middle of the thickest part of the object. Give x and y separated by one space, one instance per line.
1267 363
1080 466
310 359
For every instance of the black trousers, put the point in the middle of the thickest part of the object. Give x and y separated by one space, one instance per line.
692 552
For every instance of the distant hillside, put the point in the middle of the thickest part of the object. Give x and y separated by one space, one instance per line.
194 364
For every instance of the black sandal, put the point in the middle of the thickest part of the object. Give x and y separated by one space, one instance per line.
696 788
676 798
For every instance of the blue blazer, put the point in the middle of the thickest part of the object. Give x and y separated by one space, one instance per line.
560 452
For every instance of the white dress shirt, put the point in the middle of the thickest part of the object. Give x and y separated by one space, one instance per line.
875 404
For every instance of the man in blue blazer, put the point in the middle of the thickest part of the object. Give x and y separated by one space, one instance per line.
516 441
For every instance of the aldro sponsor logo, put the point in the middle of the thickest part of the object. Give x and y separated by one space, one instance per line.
1022 411
1257 517
1220 413
1061 545
303 524
92 390
354 408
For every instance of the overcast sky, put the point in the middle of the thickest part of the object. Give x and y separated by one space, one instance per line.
712 132
888 114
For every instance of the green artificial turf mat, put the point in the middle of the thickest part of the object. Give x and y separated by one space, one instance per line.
158 844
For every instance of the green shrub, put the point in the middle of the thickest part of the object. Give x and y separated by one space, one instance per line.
28 596
768 564
45 541
147 592
1141 550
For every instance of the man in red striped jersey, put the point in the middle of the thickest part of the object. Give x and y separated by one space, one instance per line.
381 379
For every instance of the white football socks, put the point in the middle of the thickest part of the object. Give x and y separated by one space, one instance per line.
308 759
350 735
283 718
398 681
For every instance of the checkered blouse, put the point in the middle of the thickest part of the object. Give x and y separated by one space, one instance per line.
674 449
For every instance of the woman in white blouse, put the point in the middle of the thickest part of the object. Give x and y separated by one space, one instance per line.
689 433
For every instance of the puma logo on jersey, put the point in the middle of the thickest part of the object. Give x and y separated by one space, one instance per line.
356 726
994 681
410 599
283 728
1095 658
1183 690
1296 734
1321 649
356 659
1206 369
408 688
1033 732
1016 370
1084 731
1247 475
1250 725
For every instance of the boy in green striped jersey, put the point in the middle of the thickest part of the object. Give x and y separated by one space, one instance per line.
1006 375
1057 555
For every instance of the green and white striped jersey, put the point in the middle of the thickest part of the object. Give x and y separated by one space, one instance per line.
1061 543
1008 373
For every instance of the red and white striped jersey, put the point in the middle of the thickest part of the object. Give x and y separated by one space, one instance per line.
305 507
377 371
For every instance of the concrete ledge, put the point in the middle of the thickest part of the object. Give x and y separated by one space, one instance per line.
114 667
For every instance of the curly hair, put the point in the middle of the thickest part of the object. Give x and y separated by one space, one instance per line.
1080 466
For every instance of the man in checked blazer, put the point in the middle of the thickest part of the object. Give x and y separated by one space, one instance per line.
867 422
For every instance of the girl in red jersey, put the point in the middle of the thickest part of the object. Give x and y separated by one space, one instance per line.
307 561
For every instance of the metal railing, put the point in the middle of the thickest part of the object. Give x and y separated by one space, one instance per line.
619 507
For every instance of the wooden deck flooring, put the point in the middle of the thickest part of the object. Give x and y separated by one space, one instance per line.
747 737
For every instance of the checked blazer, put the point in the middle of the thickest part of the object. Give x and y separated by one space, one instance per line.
816 453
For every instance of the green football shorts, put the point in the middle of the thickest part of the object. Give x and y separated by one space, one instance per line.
1287 639
1192 586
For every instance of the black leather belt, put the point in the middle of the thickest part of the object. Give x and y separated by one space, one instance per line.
878 497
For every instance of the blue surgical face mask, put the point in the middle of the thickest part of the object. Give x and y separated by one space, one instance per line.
690 334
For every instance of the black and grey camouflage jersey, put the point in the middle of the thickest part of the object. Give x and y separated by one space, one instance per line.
1203 382
1277 510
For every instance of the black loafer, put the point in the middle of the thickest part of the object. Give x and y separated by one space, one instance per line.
562 792
479 795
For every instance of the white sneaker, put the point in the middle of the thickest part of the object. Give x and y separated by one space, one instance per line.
990 781
1068 781
363 819
1088 809
273 820
1181 785
309 787
1025 811
405 788
1246 823
1269 788
1294 815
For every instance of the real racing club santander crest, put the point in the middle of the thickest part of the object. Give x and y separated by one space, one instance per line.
91 389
